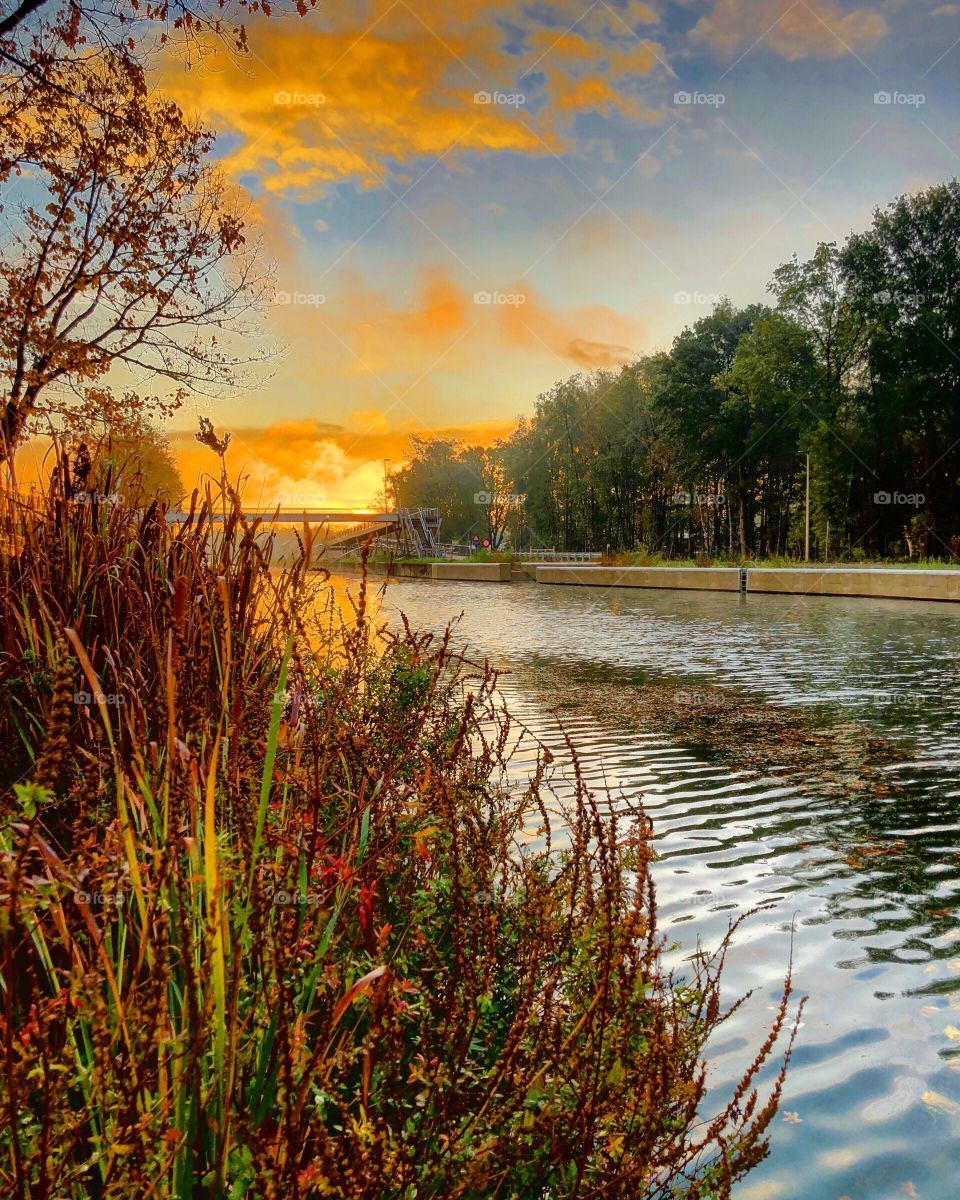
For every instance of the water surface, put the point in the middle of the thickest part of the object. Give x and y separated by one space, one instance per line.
872 1104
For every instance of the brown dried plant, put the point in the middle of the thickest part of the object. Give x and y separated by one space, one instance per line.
286 921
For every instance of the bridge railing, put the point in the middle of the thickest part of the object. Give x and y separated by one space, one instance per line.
350 532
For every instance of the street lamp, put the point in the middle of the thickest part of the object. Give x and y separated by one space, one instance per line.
806 539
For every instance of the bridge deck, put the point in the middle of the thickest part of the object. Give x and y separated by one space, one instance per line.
291 516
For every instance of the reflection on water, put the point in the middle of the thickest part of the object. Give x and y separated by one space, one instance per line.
872 1107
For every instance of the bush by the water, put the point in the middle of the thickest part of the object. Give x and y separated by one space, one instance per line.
280 920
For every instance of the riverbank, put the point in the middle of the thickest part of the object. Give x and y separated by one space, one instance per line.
462 572
887 583
879 583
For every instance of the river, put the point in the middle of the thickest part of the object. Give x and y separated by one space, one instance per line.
862 877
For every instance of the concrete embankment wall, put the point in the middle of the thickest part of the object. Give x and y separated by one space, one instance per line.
378 570
710 579
489 572
788 581
494 572
838 581
793 581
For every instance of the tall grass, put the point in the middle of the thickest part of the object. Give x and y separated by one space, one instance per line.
274 922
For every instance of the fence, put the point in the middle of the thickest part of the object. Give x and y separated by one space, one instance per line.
559 556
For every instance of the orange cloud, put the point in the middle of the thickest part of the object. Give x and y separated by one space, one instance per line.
311 464
593 94
594 355
385 331
793 30
358 96
317 107
579 336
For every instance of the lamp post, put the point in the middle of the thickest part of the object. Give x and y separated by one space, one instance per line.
806 541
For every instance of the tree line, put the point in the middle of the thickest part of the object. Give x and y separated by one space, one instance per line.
702 450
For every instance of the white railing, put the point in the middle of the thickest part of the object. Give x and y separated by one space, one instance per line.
559 556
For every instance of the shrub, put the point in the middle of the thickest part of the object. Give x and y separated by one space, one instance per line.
285 923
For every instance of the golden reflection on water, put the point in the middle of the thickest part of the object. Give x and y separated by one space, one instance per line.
335 605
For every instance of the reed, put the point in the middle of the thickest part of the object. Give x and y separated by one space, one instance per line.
280 920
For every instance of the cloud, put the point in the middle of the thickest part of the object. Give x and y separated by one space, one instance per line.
634 13
794 29
361 97
317 107
315 464
581 337
395 331
594 355
439 318
436 350
369 420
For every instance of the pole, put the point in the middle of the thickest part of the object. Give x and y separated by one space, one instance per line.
806 543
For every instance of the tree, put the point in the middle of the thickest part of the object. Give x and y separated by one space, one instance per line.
467 483
816 296
492 496
709 435
767 398
129 254
138 466
46 44
119 23
903 277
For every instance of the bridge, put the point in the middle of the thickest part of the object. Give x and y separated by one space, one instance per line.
404 531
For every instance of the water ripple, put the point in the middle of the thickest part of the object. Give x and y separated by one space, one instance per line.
874 1092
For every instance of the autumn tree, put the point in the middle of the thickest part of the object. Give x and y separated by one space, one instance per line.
128 260
132 461
117 24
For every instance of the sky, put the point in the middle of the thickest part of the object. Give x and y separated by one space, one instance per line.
466 202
